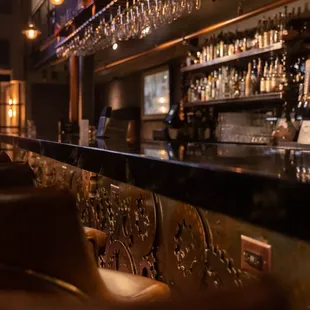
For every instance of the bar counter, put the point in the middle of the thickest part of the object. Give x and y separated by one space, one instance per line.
262 185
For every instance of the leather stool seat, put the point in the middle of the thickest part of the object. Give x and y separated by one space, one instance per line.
4 158
132 289
46 251
16 174
126 288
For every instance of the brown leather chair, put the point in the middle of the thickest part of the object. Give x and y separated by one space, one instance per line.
16 174
45 251
4 158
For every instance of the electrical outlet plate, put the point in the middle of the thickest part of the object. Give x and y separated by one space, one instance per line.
255 256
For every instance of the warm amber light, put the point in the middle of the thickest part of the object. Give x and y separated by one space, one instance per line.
10 101
161 99
31 32
163 109
56 2
10 113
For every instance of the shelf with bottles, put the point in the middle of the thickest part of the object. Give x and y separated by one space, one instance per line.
242 55
267 37
275 96
262 81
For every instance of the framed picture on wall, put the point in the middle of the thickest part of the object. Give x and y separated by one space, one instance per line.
156 93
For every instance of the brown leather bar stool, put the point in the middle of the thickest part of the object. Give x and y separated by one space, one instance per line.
4 158
16 174
45 251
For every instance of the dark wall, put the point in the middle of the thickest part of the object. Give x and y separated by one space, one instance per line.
49 102
126 93
119 94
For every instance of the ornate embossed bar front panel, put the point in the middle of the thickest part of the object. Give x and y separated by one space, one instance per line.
182 245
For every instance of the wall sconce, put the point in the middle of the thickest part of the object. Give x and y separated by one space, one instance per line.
57 2
31 32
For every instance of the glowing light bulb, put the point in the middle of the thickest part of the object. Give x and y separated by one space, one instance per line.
10 101
163 109
10 113
31 32
115 46
56 2
162 100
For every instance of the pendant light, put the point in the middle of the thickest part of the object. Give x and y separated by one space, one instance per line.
31 32
56 2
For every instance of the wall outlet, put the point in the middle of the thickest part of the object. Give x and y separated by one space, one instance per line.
255 256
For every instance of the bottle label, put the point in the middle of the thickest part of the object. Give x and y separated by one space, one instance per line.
262 86
268 86
307 78
271 37
266 39
273 84
260 41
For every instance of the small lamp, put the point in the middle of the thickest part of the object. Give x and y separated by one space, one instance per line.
31 32
56 2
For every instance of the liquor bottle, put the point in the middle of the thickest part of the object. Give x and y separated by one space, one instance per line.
243 41
231 82
226 45
208 52
203 89
195 96
219 94
204 54
242 84
238 42
271 31
231 45
211 48
254 83
260 34
283 20
189 93
250 38
221 45
198 87
236 87
225 83
274 82
208 88
266 33
213 86
263 79
276 30
259 76
268 79
255 43
248 84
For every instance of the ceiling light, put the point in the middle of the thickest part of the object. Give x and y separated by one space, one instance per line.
31 32
56 2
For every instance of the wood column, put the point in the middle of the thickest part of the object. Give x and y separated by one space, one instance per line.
87 89
74 89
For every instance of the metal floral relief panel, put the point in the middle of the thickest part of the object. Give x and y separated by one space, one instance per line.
168 240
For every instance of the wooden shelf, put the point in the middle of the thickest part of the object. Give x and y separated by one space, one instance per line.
222 60
256 98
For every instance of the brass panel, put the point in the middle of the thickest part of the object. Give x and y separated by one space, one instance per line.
186 247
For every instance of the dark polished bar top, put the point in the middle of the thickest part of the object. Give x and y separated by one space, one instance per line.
267 186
